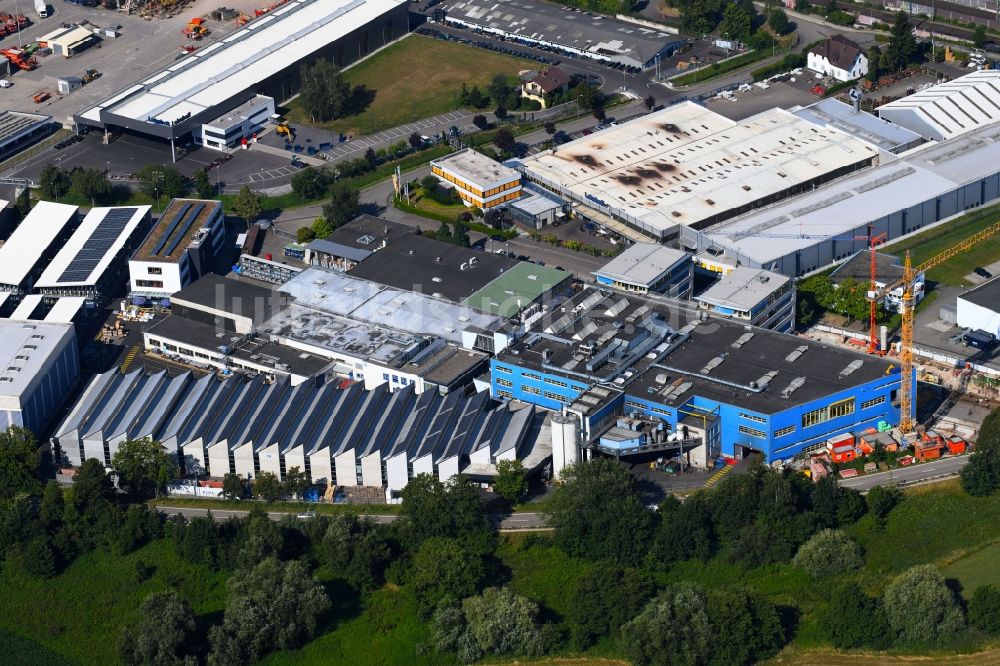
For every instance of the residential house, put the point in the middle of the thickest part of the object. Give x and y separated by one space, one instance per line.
839 58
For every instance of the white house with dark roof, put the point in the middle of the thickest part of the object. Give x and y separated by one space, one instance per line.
838 57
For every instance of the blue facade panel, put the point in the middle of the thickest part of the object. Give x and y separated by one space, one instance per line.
546 390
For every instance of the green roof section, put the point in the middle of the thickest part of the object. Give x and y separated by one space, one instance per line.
516 288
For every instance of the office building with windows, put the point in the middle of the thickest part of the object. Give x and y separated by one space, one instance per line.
480 182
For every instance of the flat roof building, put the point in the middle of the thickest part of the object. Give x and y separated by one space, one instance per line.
18 130
979 308
36 240
689 167
882 134
94 259
354 242
568 29
948 109
180 247
261 58
40 366
755 296
649 267
521 290
229 130
480 181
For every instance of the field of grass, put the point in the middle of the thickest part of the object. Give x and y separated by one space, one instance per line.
934 241
16 650
415 78
981 567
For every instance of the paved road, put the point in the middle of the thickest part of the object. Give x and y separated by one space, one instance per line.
516 521
943 468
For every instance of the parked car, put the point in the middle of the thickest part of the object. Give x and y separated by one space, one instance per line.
982 272
4 83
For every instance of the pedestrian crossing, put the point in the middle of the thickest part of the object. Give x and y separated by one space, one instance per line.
714 479
132 353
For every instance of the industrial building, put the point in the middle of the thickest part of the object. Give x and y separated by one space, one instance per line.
560 28
949 109
979 309
478 180
93 262
33 244
338 436
648 267
354 242
180 247
700 385
40 366
262 58
922 187
883 135
534 210
753 296
18 130
523 290
68 40
687 167
229 130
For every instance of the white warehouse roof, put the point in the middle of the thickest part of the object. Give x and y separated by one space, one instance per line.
86 255
266 46
39 229
686 165
642 263
26 348
949 109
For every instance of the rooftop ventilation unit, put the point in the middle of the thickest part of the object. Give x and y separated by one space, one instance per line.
764 381
851 368
794 385
742 340
712 364
796 353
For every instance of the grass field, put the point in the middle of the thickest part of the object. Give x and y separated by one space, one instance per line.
416 78
980 567
934 241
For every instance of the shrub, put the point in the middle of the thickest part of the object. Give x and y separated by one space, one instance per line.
828 552
921 608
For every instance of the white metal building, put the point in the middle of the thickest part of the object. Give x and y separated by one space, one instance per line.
34 242
68 40
39 366
754 296
649 267
687 166
93 261
949 109
228 130
180 247
979 308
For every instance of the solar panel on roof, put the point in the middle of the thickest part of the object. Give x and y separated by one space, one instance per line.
170 229
192 216
100 241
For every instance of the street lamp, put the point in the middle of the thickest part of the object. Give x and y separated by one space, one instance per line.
156 191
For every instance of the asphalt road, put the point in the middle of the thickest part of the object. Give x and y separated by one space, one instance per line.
516 521
942 468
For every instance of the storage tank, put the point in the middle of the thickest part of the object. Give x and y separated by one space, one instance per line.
565 451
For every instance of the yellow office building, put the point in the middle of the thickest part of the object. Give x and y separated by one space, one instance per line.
479 181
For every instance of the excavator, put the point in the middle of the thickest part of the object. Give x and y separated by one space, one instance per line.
283 129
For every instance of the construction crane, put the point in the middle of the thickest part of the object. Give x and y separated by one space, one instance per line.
906 310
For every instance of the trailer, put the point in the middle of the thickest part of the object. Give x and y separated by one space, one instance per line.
42 8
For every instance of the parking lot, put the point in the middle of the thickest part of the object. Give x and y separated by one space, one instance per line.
141 48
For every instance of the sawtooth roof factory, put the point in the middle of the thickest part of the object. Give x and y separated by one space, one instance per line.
566 29
261 58
689 167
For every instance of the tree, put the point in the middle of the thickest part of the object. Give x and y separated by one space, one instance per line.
746 625
504 140
984 609
296 481
460 236
53 182
52 507
989 432
91 486
23 202
649 102
432 509
511 482
342 207
443 233
247 205
163 635
881 501
233 487
921 608
597 514
165 180
588 97
92 184
429 183
498 89
852 619
606 597
19 462
274 606
371 157
267 486
736 24
673 629
828 552
902 46
874 63
325 95
503 622
310 183
143 465
304 235
479 120
202 185
550 128
979 36
500 112
981 476
416 141
684 532
777 20
444 572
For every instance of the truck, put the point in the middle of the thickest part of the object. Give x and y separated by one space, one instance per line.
42 8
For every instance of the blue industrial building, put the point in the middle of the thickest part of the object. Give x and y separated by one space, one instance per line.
735 388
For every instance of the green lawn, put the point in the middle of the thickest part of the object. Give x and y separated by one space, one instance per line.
980 567
934 241
17 650
416 78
